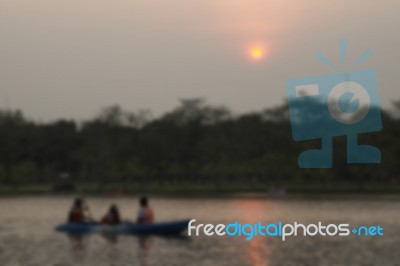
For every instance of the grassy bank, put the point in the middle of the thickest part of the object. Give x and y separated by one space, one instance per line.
205 189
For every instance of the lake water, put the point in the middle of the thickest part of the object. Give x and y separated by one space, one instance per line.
27 236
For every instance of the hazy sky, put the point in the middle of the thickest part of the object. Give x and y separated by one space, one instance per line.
70 58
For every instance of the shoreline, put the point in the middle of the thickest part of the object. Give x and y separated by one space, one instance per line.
334 191
335 196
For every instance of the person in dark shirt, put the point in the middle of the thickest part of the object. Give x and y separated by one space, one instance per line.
77 212
112 217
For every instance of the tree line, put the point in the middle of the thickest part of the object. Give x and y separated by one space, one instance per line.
195 143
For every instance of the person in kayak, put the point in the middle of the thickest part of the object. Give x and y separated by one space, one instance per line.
77 214
112 217
145 213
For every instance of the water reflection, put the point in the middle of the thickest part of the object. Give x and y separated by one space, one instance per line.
256 249
78 246
145 245
110 237
77 241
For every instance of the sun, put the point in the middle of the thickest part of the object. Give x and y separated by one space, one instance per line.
256 52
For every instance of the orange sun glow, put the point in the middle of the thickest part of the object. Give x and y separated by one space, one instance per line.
256 52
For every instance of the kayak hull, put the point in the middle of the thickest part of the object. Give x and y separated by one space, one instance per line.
162 228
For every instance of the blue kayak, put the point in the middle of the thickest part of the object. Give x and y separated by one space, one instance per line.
163 228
